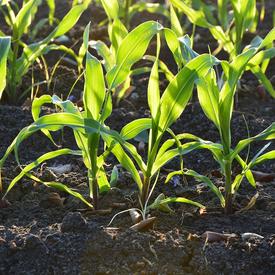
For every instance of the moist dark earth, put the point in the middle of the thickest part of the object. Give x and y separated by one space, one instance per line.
44 231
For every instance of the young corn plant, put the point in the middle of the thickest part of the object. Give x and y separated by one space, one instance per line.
229 29
165 110
217 102
22 56
88 125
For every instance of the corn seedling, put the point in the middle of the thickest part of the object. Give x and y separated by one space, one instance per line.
165 110
229 29
21 56
88 125
217 103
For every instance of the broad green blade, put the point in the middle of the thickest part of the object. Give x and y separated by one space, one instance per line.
135 127
23 19
175 23
111 8
125 161
265 157
4 51
179 90
51 5
94 90
102 181
223 13
130 51
153 93
85 45
227 93
102 49
117 32
186 48
263 79
174 46
208 94
267 134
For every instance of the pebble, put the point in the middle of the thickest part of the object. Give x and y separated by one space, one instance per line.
73 222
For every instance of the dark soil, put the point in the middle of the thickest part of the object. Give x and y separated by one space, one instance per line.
44 231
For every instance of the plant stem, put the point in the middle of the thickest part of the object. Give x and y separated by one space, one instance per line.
12 81
95 193
145 190
93 186
228 187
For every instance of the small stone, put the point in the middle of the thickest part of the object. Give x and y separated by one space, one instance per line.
73 222
13 246
134 96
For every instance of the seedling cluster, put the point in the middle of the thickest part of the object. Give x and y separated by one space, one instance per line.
108 69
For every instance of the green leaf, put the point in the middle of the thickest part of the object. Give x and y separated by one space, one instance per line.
127 163
174 46
117 33
94 90
102 181
209 183
208 94
135 127
223 13
178 199
111 8
4 50
64 188
130 51
263 79
155 8
153 93
236 68
114 176
85 45
179 90
267 134
265 157
175 23
102 49
51 5
158 205
186 48
245 12
23 19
